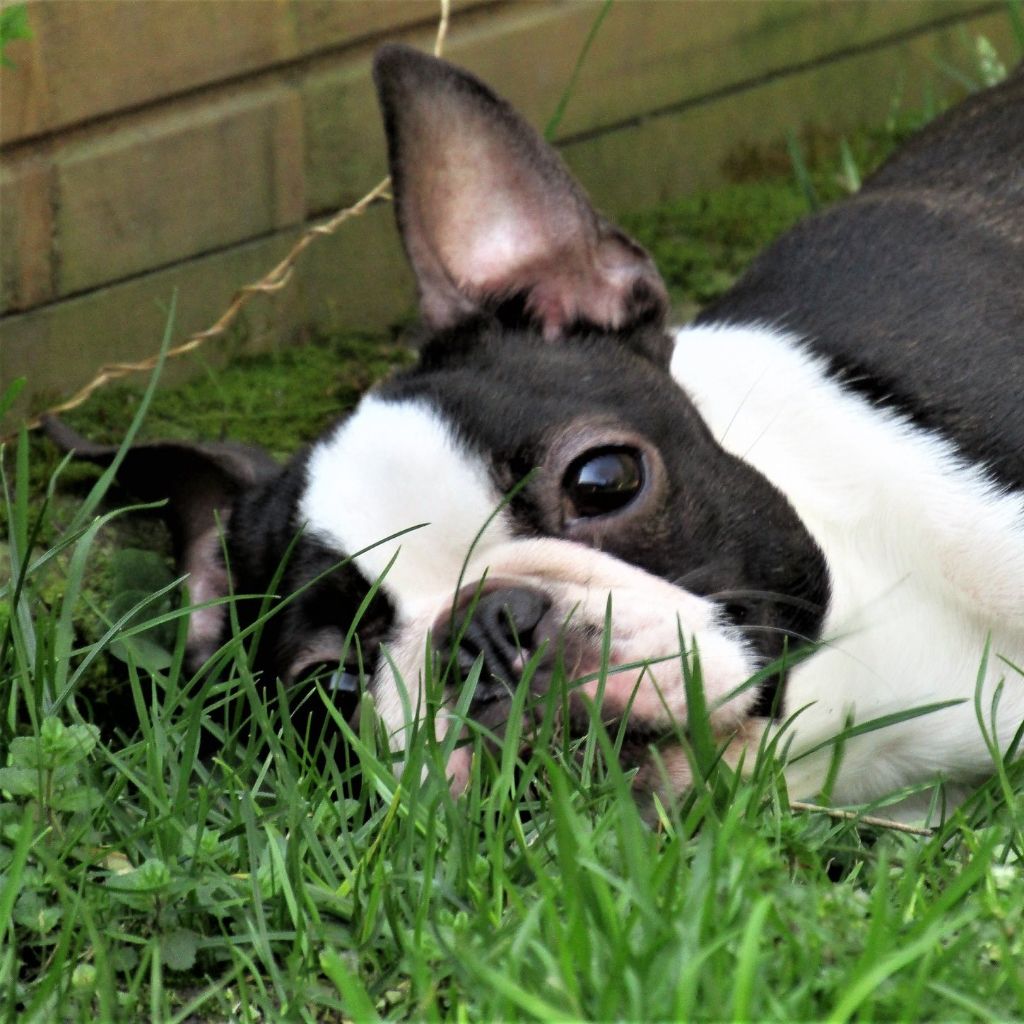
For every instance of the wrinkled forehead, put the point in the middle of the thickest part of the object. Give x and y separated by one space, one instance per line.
396 467
510 391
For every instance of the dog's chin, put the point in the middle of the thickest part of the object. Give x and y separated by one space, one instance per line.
659 764
634 680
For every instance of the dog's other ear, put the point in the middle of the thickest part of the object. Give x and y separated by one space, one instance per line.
488 211
200 483
199 480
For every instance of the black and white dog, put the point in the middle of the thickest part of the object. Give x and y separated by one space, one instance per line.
832 455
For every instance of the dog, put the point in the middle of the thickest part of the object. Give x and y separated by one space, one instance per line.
818 484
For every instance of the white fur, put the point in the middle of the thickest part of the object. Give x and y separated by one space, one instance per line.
388 467
925 553
647 614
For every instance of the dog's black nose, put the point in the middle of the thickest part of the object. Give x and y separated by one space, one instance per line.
503 628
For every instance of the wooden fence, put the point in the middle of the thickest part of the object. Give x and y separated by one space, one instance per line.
158 148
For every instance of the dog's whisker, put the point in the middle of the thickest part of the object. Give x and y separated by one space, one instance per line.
764 595
777 631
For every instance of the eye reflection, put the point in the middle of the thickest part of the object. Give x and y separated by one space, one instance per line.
602 481
342 680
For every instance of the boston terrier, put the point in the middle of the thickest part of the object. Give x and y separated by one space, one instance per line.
819 483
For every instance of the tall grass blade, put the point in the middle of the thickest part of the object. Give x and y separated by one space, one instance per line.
801 172
1015 10
563 101
102 485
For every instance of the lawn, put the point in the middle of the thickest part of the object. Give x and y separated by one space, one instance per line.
179 847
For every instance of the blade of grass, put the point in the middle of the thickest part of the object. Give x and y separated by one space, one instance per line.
102 485
802 174
1015 11
882 722
748 959
563 101
358 1004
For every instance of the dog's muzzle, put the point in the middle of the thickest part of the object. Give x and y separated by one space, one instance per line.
545 610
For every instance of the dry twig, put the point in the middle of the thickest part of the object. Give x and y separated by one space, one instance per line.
864 819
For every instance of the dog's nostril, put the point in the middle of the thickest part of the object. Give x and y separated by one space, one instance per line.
503 624
511 616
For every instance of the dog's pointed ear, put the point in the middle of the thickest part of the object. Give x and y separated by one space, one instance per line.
488 211
200 483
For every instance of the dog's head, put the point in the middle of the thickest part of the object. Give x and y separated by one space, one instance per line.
537 472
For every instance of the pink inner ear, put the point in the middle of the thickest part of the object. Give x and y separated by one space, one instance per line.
480 224
488 210
207 581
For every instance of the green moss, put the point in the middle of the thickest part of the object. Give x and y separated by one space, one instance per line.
702 243
275 399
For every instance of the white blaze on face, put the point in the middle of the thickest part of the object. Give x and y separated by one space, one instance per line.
389 467
393 465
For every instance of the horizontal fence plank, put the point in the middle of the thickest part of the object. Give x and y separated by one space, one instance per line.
146 198
689 148
88 60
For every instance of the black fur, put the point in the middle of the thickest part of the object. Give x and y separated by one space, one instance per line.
720 529
913 290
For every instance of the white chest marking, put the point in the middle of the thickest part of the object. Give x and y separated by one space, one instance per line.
926 556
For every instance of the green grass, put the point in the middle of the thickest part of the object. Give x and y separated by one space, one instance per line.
266 881
266 876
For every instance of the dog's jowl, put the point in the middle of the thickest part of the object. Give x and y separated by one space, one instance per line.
825 473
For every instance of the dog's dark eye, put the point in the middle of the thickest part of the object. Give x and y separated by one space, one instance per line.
335 678
342 682
602 480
